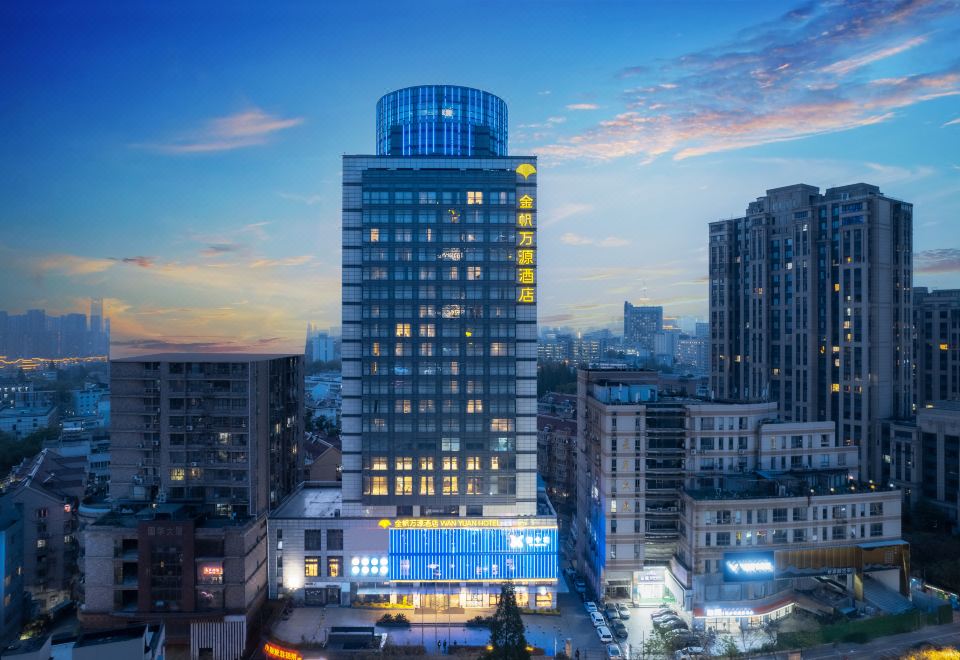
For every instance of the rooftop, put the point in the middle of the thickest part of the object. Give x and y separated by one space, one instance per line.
111 636
952 406
312 500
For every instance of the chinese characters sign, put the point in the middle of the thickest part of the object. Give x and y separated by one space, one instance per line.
526 246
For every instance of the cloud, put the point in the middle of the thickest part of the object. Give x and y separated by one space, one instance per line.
951 122
249 128
288 261
805 74
143 262
943 260
217 249
562 212
610 241
70 264
583 106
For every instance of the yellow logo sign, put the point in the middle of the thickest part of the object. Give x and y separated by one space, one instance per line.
526 169
384 523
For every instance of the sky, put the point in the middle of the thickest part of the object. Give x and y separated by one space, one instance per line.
182 160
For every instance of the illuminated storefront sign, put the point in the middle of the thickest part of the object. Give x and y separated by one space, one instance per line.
473 554
746 567
452 523
274 651
728 611
526 244
211 570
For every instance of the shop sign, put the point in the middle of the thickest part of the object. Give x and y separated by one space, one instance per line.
274 651
747 567
716 612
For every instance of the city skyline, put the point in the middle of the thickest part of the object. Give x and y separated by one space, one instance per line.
192 181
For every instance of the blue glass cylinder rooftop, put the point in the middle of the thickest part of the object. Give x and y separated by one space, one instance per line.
441 120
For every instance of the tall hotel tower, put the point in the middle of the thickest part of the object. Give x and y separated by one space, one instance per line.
439 337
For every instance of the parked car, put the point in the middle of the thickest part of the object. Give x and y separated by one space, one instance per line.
611 611
590 606
666 618
662 611
688 653
597 619
619 630
580 585
604 634
613 651
682 639
673 624
623 611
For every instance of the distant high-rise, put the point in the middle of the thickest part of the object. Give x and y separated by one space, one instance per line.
936 322
810 307
641 325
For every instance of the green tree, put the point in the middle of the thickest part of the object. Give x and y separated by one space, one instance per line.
507 639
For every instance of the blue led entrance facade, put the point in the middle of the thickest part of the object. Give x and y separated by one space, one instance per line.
459 555
441 120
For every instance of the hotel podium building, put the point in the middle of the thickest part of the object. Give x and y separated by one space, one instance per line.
439 361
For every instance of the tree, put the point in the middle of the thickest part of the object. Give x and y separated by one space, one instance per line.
507 639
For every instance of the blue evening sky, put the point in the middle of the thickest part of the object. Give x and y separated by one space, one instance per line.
182 159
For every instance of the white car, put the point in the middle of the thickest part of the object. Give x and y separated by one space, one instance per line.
604 634
613 651
597 619
590 606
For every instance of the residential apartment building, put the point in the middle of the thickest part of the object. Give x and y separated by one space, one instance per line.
810 308
48 489
641 325
557 459
647 460
12 610
936 322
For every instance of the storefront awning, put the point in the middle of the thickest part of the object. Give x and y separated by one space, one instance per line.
741 609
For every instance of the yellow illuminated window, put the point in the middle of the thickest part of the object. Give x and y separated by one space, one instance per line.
944 347
378 463
311 567
474 197
835 387
404 463
501 424
404 406
836 286
474 486
426 462
474 272
473 463
404 486
451 486
499 349
177 474
474 405
426 486
375 349
374 235
494 462
378 486
334 566
450 463
403 330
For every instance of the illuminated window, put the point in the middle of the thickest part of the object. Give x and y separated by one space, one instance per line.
375 349
404 406
378 463
311 567
450 463
451 486
835 387
474 485
404 463
474 272
499 349
426 486
378 486
177 474
497 424
475 405
404 486
41 543
426 462
473 463
196 473
494 462
402 330
944 347
474 197
428 330
426 349
374 235
334 566
426 406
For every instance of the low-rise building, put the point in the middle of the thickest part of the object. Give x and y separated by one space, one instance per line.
21 422
171 564
139 642
925 456
48 489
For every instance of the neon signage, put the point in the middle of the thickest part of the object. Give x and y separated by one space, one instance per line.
746 567
274 651
526 244
728 611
